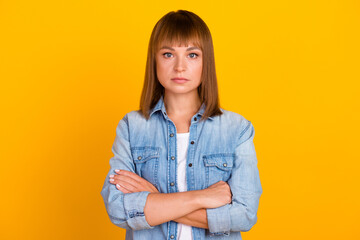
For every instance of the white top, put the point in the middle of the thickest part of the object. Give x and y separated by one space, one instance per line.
184 232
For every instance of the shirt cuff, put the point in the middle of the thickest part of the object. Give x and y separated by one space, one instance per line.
219 220
134 204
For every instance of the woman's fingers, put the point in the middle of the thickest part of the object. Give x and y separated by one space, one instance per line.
130 174
124 190
126 182
123 186
135 179
132 182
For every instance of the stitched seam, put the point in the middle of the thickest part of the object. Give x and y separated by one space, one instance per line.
116 218
243 132
246 128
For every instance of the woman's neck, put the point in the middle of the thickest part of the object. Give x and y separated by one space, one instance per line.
182 104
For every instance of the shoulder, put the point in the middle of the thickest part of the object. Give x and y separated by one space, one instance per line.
133 116
135 120
233 118
237 123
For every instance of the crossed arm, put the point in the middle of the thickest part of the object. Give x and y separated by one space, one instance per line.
138 204
162 207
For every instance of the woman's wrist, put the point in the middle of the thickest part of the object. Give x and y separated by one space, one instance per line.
199 198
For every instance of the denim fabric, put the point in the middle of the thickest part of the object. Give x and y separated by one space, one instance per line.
220 148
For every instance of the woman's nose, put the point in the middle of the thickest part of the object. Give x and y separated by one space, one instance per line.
180 64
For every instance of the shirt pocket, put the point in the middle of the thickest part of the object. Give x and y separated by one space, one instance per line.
146 160
218 167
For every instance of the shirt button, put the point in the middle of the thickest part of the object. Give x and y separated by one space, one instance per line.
171 135
190 164
192 142
195 119
224 164
165 113
172 184
172 158
172 236
139 157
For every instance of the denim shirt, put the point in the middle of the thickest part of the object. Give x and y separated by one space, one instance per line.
220 148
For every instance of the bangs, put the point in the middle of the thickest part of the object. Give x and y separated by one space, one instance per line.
180 31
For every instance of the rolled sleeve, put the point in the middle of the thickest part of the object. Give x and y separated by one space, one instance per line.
219 220
241 213
124 210
134 204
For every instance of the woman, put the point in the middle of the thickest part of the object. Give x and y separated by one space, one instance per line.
183 168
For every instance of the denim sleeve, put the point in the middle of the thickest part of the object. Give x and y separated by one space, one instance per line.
124 210
241 213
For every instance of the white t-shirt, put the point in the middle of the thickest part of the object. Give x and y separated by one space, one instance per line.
184 232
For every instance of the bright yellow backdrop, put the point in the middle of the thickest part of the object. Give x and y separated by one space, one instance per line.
70 70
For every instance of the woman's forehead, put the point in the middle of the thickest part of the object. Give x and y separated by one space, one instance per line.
189 43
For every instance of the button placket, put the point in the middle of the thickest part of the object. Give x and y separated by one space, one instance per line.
190 170
172 155
171 171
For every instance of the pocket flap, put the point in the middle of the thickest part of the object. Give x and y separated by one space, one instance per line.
143 154
223 161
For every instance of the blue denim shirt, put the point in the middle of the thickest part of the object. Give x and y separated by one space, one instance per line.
220 148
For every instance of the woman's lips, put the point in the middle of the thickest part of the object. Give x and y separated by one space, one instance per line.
180 80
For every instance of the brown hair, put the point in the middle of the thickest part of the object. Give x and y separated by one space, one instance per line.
181 27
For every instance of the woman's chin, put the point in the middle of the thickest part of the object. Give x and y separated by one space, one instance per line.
180 90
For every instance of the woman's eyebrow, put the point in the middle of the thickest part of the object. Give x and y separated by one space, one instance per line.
189 49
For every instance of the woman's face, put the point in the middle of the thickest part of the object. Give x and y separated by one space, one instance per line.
179 68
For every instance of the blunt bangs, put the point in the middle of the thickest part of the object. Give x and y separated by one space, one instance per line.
179 31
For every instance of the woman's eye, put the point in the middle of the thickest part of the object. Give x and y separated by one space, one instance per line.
193 55
167 54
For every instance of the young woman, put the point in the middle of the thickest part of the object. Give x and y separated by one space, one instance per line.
183 168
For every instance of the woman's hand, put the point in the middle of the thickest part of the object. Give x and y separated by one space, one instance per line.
129 182
216 195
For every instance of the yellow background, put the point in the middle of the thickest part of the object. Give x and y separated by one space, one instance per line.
70 70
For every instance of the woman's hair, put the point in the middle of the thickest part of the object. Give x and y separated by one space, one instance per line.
181 27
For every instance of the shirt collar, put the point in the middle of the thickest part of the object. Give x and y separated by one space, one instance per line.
160 106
